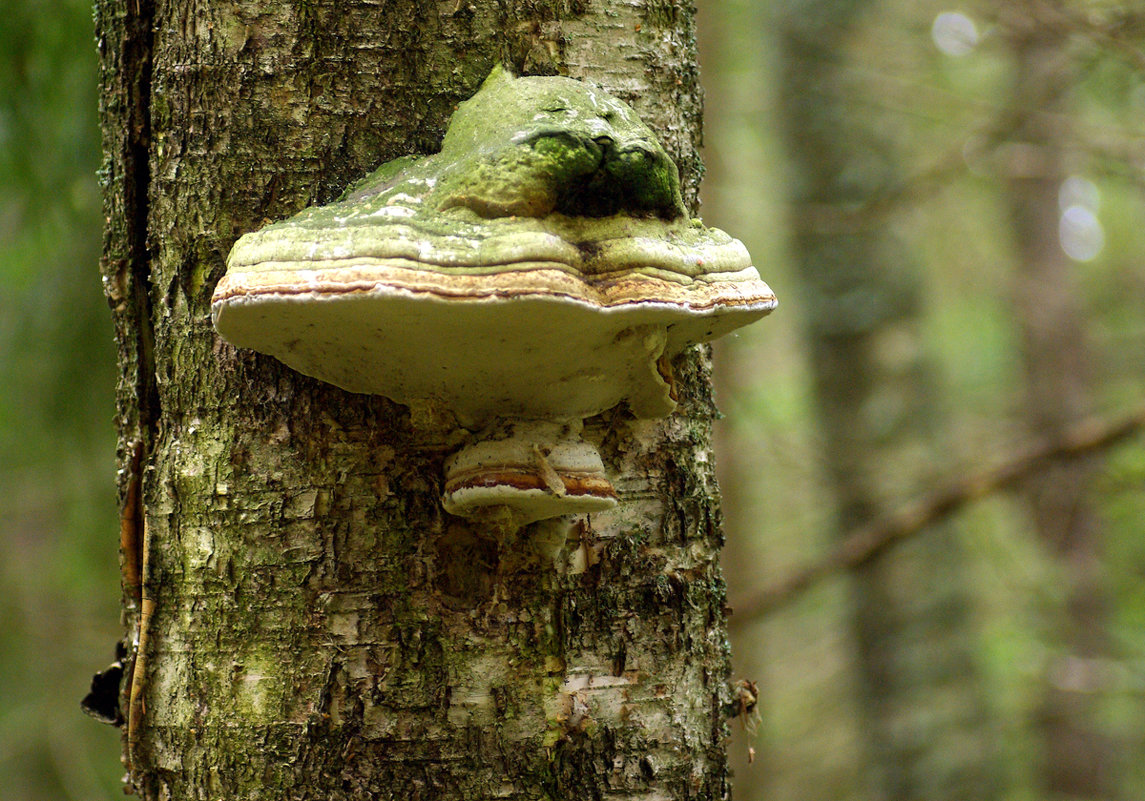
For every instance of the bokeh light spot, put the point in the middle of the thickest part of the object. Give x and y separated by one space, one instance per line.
954 33
1080 232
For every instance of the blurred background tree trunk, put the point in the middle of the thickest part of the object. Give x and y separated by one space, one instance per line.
735 198
880 419
1078 759
313 625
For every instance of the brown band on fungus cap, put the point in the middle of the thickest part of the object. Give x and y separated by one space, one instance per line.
572 485
537 469
711 294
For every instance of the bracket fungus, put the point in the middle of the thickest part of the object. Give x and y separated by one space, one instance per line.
538 270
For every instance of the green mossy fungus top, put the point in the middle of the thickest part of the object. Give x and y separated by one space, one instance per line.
570 149
539 169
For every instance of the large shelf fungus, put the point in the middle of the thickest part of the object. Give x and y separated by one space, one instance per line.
539 270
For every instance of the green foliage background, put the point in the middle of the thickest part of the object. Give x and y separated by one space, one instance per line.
58 528
58 525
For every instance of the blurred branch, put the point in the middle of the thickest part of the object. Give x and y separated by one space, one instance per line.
980 150
824 218
1110 28
874 538
1120 33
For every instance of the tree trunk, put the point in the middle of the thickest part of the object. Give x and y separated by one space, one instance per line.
925 723
1078 758
307 621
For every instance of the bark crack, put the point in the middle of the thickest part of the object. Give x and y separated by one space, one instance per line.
138 45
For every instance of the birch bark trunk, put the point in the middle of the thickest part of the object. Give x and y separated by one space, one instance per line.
307 622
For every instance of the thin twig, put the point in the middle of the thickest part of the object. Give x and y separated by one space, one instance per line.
874 538
1115 35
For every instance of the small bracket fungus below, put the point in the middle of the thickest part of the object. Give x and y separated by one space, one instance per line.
538 270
